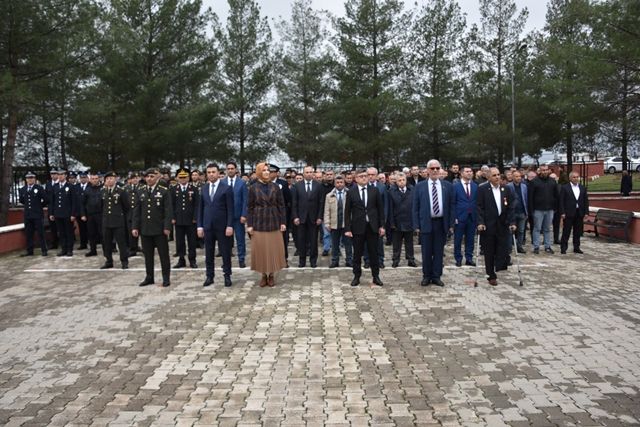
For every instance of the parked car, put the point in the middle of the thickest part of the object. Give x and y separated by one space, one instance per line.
614 164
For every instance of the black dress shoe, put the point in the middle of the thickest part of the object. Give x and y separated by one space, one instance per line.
437 282
377 281
166 284
314 265
333 264
412 264
242 264
563 251
381 266
208 282
425 282
27 254
536 251
133 253
106 265
355 281
69 254
325 253
458 263
395 264
125 265
227 281
61 253
366 265
348 264
549 251
146 282
180 264
521 251
577 251
44 253
470 263
301 265
82 247
193 264
90 254
218 255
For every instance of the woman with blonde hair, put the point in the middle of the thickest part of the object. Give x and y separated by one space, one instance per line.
266 219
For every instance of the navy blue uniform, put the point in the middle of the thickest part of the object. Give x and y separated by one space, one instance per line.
64 205
34 199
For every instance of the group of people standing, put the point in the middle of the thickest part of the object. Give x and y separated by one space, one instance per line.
359 211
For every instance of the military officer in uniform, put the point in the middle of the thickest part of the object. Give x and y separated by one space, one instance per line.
185 199
63 209
115 204
33 198
152 221
131 188
91 214
49 191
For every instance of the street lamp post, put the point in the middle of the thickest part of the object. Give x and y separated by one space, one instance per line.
513 102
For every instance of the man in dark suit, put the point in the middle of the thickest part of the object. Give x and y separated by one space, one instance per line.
519 188
63 209
185 201
574 206
288 197
33 197
48 188
83 229
400 220
215 223
307 210
465 193
240 197
364 223
496 222
372 174
91 214
152 221
433 217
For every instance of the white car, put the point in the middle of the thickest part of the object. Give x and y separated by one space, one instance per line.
614 164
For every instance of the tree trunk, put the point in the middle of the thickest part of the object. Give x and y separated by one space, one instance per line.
569 144
45 140
63 143
624 137
7 164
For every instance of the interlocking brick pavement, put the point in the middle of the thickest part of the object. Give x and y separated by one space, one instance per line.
82 346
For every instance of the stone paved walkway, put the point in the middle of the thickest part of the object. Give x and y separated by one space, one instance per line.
81 346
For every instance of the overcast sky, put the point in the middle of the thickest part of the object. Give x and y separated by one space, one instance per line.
282 8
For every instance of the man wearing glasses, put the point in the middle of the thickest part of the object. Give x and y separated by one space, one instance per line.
433 217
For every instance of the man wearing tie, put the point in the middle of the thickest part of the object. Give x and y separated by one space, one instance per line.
240 195
64 207
521 209
574 206
307 210
364 223
215 223
82 225
33 198
465 193
496 222
433 217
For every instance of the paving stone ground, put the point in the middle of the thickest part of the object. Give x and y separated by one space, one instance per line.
82 346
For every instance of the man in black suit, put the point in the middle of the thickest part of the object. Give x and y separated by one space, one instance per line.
34 198
496 222
364 223
307 210
287 196
48 188
574 206
400 219
82 225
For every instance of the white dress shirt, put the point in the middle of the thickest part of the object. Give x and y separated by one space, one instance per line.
497 197
440 204
576 192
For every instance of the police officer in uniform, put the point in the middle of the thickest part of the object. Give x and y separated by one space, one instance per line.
83 226
91 214
132 190
33 197
49 191
152 221
63 209
115 204
185 199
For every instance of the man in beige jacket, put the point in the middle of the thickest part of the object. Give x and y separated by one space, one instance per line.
334 222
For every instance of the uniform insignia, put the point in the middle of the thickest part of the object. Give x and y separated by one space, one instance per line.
35 191
66 188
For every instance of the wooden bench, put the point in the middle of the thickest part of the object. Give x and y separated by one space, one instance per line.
612 220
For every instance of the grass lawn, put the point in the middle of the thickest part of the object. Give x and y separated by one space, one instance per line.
609 182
